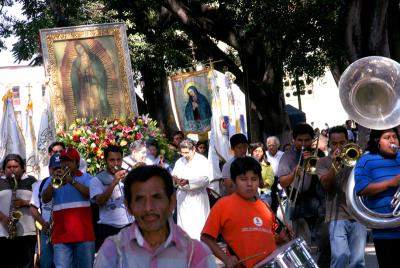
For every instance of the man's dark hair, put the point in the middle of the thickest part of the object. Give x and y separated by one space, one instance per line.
374 137
243 164
112 148
144 173
301 129
178 132
238 138
338 129
15 157
56 143
152 142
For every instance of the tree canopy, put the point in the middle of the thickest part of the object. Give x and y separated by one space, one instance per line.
265 41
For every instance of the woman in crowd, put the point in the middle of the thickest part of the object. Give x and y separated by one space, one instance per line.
202 148
17 227
258 152
377 177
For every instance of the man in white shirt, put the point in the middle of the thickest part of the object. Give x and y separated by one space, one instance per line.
190 175
106 190
273 155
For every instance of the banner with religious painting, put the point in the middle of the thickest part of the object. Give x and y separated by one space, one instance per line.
90 71
192 98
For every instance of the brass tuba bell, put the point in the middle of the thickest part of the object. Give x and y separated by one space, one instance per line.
369 91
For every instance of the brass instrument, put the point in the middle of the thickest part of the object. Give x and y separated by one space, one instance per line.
349 154
369 91
58 181
14 215
310 163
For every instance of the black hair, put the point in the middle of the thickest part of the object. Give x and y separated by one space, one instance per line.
338 129
374 137
143 174
238 138
152 142
15 157
243 164
256 145
178 132
112 148
301 129
56 143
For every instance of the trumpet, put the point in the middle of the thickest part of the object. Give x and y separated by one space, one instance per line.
349 155
58 181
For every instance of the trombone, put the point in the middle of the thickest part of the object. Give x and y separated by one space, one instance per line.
308 166
58 181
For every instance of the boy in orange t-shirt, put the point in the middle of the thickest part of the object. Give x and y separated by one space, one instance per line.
246 223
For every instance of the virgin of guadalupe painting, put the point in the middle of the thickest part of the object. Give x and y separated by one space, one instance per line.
90 72
192 96
89 78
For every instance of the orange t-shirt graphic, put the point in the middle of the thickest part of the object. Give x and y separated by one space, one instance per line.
247 227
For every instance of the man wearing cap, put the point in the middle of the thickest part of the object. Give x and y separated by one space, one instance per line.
41 212
239 145
72 234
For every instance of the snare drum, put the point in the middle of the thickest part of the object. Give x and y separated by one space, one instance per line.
291 255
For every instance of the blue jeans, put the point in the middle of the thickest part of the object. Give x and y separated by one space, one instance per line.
77 255
348 238
46 252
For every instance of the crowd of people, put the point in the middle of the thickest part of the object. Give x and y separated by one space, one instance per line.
145 211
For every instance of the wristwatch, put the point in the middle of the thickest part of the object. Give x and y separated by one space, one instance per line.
73 182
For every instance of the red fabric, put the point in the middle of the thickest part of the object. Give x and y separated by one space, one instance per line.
248 227
72 225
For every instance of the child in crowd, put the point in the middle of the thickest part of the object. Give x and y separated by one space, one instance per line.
246 223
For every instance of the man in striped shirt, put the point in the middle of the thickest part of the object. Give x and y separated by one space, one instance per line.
153 240
72 233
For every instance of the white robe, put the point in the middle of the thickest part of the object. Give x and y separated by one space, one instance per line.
192 199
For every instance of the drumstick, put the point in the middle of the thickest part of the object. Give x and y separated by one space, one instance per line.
252 257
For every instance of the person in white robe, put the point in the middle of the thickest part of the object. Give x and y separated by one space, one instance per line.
190 175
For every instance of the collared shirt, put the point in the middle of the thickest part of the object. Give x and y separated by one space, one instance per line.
274 160
129 249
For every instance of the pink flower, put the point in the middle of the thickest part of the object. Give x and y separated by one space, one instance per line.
83 140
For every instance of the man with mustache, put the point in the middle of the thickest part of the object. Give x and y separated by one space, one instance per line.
153 240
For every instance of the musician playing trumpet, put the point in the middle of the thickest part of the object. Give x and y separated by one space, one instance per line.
17 235
41 212
347 236
106 190
72 233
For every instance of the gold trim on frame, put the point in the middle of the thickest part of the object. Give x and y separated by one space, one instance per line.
127 101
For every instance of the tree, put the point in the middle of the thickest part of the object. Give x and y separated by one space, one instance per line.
267 41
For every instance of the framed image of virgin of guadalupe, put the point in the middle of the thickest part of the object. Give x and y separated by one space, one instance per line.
192 98
89 71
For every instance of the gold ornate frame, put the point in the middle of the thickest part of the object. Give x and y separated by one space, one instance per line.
108 43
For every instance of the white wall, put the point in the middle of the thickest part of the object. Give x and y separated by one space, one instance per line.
323 105
23 76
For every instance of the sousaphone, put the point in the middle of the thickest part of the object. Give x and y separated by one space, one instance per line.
369 91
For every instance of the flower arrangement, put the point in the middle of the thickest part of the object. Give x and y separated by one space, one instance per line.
90 138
